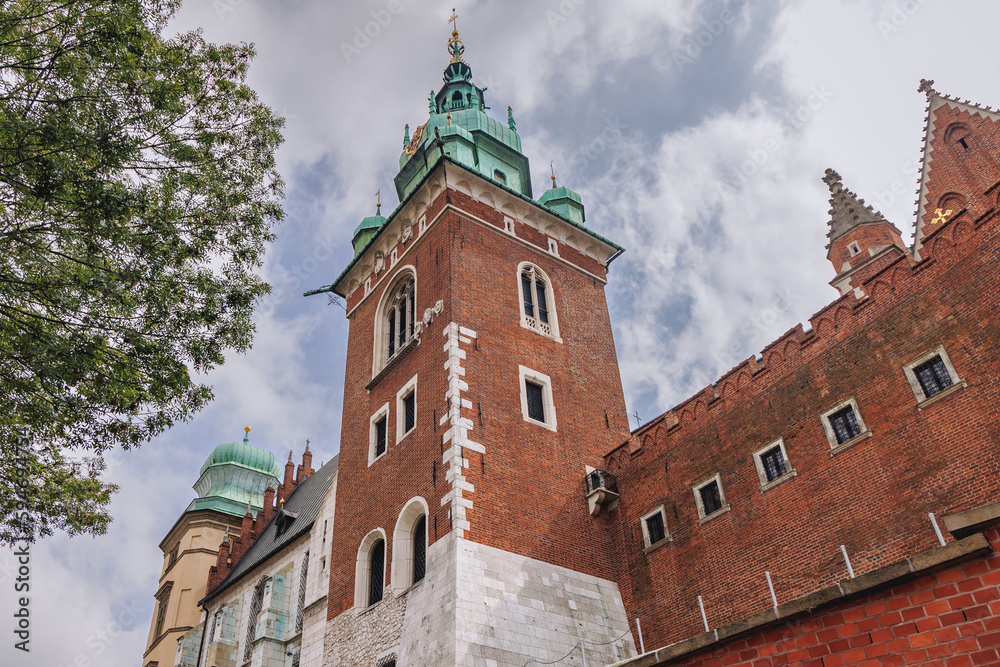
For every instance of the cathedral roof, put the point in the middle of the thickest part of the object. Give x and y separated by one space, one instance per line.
293 520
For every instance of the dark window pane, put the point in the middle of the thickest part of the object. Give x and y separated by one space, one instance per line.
536 409
529 308
933 376
654 526
773 462
402 323
420 549
380 437
543 308
413 310
377 572
410 410
711 499
845 425
392 332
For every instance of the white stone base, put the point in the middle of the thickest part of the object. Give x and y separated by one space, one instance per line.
482 606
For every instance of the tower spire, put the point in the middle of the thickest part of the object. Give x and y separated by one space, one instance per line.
455 46
847 210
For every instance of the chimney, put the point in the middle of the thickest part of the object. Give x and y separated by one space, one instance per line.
269 506
288 485
305 469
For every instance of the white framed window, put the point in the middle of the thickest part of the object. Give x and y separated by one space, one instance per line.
393 257
710 499
537 406
368 286
396 322
844 426
854 249
378 434
369 572
654 527
773 465
538 308
409 546
421 225
554 247
932 376
406 409
508 225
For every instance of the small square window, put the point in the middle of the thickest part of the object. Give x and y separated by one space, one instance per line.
553 247
854 249
844 426
500 176
710 499
406 409
932 376
508 225
536 398
378 434
654 527
773 466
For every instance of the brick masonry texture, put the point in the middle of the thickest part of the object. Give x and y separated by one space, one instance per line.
948 619
874 497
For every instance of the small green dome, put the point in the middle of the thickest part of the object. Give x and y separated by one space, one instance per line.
244 455
565 202
367 229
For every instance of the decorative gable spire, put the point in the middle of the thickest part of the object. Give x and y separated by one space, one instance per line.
927 86
847 210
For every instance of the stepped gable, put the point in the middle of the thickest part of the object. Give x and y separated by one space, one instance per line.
960 173
278 525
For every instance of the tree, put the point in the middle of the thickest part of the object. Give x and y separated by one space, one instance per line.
137 193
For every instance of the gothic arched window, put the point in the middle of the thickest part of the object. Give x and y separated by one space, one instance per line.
537 301
397 319
409 546
369 577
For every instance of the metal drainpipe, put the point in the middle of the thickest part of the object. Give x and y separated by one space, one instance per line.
204 627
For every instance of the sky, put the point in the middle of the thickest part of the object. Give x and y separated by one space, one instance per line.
697 132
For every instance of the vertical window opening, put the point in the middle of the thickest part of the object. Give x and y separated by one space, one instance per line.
845 425
529 306
536 406
655 528
420 549
774 464
711 499
543 311
410 408
377 572
380 435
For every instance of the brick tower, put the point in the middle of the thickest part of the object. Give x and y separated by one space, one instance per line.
481 384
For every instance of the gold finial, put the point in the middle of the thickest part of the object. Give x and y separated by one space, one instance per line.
246 438
552 167
247 428
378 201
455 46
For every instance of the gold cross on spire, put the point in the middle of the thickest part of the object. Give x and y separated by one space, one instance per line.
455 46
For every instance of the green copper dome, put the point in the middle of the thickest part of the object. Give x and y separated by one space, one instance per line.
235 475
459 127
367 229
565 202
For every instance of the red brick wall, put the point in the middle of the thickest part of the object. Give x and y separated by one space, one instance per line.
528 495
949 619
867 236
874 497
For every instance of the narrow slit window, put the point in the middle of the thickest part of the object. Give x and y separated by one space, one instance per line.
933 376
536 406
845 425
410 410
543 310
376 573
420 549
380 436
529 306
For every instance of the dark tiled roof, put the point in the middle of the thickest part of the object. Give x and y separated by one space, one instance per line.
302 506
